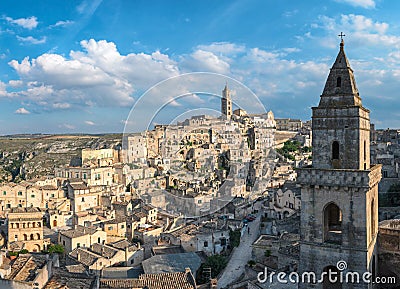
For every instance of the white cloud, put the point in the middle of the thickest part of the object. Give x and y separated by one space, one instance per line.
28 23
63 23
32 40
362 30
98 75
22 110
15 83
225 48
88 122
63 105
3 91
67 126
362 23
359 3
205 61
291 13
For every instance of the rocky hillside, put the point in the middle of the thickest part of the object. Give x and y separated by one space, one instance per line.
26 157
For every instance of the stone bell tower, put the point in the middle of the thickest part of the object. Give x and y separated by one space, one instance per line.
226 103
339 194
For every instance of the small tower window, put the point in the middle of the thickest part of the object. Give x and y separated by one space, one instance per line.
332 224
335 150
339 82
365 150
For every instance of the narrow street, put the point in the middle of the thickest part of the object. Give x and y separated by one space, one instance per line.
241 255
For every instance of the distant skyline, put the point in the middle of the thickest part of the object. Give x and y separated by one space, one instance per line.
79 66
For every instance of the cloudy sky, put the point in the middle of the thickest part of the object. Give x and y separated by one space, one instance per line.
80 66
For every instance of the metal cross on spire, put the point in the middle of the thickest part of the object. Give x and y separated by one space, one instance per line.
341 35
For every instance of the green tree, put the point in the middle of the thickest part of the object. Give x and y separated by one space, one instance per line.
251 263
59 249
234 238
216 263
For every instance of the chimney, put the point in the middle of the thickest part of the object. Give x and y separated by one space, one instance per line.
78 256
187 270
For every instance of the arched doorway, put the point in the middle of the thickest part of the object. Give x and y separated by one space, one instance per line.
334 273
332 224
36 248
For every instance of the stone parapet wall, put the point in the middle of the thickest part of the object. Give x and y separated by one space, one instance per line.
339 177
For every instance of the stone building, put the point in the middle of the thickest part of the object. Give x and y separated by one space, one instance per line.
288 124
339 197
25 229
81 236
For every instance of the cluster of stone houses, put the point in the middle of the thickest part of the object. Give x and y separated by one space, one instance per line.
385 150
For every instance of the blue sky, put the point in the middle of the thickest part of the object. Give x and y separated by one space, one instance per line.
79 66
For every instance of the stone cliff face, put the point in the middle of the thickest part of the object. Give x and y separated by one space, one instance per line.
28 157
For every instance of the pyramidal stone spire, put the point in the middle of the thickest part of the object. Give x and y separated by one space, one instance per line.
340 88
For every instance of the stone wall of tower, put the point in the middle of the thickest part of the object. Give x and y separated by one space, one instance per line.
354 192
350 127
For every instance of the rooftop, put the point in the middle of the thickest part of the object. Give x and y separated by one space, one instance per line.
179 280
171 263
25 210
78 231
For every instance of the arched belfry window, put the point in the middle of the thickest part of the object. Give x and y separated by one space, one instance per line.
339 82
335 150
333 224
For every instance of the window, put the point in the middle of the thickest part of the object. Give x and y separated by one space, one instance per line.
78 245
335 150
332 224
365 151
4 193
8 206
339 82
83 199
32 196
122 226
110 227
205 244
373 221
19 193
132 262
52 195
